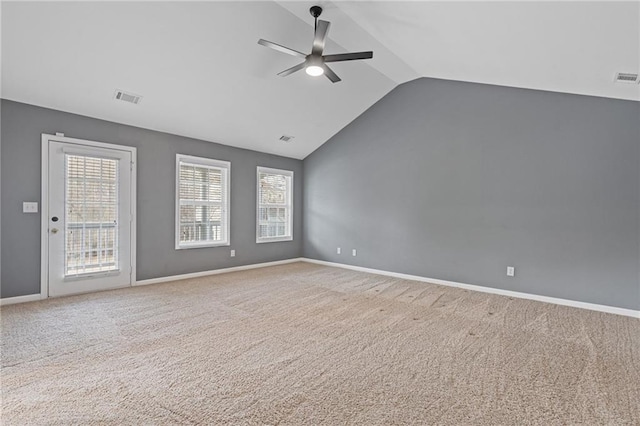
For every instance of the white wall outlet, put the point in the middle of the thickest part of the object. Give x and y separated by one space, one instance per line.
339 250
30 207
511 271
353 252
233 253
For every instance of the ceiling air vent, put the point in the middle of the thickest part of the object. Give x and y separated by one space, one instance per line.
286 138
121 95
623 77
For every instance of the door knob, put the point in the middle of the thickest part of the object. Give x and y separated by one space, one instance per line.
54 230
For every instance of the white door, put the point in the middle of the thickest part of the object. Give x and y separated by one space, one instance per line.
90 216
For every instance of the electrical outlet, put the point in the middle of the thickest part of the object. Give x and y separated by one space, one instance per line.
353 252
233 253
339 250
511 271
30 207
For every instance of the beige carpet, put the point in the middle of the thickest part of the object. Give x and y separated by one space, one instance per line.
308 344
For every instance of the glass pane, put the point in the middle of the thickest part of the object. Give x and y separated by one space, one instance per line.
273 189
187 232
91 214
274 209
201 200
200 183
187 214
274 222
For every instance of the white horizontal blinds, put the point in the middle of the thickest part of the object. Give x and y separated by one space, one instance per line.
202 209
91 214
274 205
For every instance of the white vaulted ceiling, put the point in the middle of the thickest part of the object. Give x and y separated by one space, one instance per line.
203 75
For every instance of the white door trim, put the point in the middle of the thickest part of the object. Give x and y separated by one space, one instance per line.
44 203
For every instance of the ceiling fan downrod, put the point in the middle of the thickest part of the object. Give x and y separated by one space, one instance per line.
315 11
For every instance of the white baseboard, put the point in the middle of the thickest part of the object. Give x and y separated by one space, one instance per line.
215 272
19 299
565 302
557 301
34 297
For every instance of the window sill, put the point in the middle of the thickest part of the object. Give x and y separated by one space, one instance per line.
207 245
273 240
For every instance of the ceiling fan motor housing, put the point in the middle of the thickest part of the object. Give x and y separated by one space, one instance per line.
315 11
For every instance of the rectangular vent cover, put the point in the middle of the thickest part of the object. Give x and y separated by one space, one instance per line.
622 77
286 138
121 95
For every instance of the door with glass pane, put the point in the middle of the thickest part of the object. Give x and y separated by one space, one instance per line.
89 218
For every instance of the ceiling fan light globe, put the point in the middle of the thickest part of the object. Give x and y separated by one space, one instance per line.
314 70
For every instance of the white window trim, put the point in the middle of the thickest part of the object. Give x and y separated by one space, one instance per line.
287 173
209 162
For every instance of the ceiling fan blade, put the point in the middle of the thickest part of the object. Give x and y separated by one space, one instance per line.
282 49
330 74
347 56
320 38
292 69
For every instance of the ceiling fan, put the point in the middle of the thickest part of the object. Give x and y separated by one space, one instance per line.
315 63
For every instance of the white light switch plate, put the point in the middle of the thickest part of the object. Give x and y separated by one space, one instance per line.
30 207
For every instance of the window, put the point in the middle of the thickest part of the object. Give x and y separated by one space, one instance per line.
91 214
275 208
202 202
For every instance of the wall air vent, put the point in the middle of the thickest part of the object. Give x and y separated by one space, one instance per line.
286 138
121 95
623 77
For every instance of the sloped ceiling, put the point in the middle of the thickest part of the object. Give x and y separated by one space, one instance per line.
203 75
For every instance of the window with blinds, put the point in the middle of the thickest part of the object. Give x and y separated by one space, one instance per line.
202 202
275 205
91 215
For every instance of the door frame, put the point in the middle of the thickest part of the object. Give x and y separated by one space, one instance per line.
44 202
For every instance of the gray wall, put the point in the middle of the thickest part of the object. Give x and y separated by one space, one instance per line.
22 126
456 181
